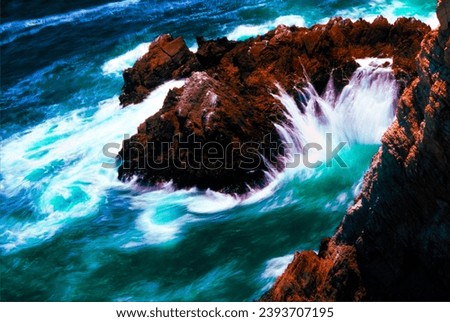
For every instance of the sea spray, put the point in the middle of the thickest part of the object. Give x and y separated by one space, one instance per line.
358 115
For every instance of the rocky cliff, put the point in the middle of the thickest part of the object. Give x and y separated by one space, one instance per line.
218 131
393 244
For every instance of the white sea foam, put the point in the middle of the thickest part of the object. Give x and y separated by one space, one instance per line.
246 31
274 180
211 202
194 48
374 62
32 26
118 64
276 266
430 20
70 148
157 233
360 114
342 200
75 143
163 214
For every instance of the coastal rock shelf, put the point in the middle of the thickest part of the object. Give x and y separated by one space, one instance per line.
229 98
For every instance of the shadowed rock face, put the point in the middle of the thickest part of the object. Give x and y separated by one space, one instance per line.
242 78
393 243
443 13
207 134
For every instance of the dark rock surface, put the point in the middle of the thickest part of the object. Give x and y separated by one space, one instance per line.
205 135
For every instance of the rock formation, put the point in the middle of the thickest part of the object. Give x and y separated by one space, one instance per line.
228 101
393 244
167 59
207 134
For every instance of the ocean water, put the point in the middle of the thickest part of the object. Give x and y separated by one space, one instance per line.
70 231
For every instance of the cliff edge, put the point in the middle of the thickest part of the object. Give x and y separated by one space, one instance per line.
393 244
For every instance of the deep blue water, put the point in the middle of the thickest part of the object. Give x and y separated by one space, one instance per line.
69 231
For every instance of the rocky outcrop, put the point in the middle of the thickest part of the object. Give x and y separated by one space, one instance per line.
167 59
206 135
393 243
242 77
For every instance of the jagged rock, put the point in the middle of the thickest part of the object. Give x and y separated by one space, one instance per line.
244 76
206 135
211 52
282 55
167 58
393 243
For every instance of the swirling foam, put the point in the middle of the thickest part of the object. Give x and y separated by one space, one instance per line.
74 142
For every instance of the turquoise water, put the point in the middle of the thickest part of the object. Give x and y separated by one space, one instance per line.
69 231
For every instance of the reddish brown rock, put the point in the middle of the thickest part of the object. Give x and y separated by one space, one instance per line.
243 75
167 59
283 55
393 243
332 275
211 52
206 135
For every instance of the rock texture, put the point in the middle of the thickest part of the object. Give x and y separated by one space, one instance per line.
167 59
228 97
443 13
205 133
393 244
